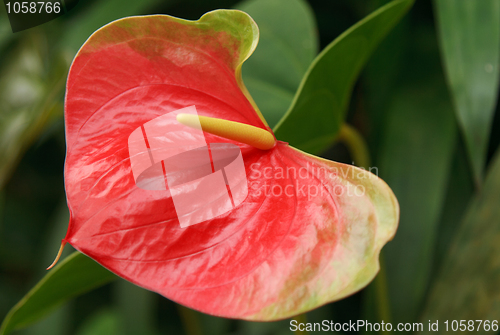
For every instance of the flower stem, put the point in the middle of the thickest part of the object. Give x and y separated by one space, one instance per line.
190 320
356 145
382 293
361 156
301 318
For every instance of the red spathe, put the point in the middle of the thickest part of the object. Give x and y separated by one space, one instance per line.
308 232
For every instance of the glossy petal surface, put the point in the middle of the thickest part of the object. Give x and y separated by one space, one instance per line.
308 232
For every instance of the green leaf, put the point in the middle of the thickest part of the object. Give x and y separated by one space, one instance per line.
459 192
412 130
287 45
6 34
75 275
415 158
318 110
467 287
56 323
59 321
470 43
31 90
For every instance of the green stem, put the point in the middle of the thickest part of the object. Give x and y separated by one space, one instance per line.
356 145
382 293
361 156
301 318
190 320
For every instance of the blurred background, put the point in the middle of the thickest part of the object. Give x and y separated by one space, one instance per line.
401 105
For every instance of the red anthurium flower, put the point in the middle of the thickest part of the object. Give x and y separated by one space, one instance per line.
306 232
